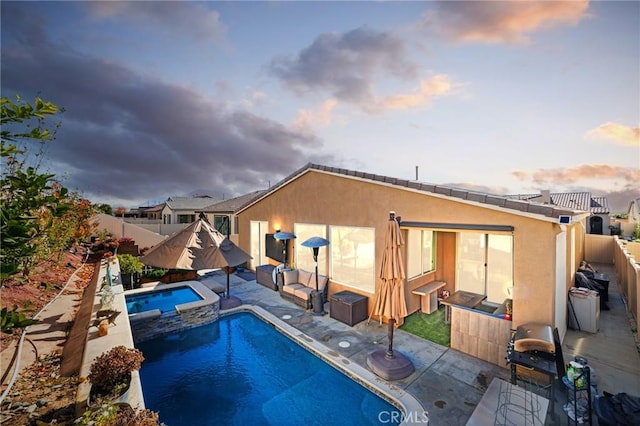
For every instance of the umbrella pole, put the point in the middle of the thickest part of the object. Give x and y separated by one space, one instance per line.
389 353
227 284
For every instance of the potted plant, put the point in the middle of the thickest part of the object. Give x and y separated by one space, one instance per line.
126 241
130 268
507 310
110 373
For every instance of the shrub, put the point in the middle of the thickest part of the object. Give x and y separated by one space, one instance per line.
127 416
130 264
113 369
10 320
110 414
156 273
126 240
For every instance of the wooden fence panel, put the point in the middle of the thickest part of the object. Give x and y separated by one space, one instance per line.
628 273
599 248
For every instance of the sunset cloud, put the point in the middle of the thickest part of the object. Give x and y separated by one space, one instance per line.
430 89
503 21
565 176
322 116
617 133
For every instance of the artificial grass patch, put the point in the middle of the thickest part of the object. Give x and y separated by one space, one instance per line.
430 327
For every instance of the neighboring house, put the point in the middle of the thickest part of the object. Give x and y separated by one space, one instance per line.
183 209
599 219
492 245
223 213
150 213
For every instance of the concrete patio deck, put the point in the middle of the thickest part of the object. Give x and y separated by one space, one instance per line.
448 383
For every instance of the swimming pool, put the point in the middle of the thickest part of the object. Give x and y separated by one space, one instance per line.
164 300
241 370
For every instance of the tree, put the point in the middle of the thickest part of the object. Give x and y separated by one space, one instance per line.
105 208
29 200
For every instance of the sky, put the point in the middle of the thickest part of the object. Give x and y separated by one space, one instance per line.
173 98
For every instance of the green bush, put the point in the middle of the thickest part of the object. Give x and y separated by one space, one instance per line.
130 264
10 320
155 274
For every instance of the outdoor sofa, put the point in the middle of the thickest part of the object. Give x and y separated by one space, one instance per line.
297 285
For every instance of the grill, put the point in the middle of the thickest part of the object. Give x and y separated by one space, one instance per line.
534 337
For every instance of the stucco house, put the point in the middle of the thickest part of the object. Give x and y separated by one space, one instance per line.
496 246
183 209
223 213
598 207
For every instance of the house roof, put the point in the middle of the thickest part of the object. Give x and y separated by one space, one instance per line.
189 203
582 201
496 201
233 204
156 208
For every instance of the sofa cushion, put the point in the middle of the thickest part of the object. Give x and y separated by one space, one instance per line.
303 292
304 277
290 277
292 288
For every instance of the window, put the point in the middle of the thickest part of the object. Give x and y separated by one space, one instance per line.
186 218
221 223
304 255
484 265
420 252
353 257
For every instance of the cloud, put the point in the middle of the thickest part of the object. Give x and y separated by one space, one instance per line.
564 176
621 187
128 137
619 134
503 21
430 89
179 18
323 116
345 64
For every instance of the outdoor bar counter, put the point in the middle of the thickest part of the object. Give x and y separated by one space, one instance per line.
475 332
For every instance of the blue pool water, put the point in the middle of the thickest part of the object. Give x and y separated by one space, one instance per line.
165 300
240 370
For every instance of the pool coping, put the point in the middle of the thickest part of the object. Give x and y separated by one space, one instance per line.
411 408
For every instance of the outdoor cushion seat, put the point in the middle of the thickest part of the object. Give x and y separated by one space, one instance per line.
304 292
297 285
291 288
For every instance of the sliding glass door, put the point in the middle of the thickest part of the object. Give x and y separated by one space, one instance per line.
484 265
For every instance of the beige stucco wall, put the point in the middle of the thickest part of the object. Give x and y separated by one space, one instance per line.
322 198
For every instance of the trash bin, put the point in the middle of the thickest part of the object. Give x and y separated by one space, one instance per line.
584 310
